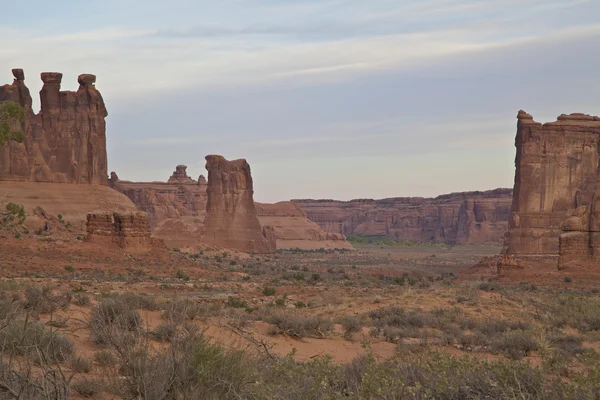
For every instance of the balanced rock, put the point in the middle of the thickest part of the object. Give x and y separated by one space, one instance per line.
231 220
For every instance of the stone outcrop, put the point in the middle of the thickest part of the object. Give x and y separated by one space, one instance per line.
556 189
181 198
461 218
65 142
125 230
290 228
231 220
180 175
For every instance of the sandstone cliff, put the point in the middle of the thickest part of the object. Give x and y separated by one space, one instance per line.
231 220
181 198
556 188
65 142
462 218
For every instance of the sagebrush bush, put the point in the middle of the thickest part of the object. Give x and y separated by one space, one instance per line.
111 316
299 326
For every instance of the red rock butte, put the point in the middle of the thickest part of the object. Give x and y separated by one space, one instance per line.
231 219
65 142
556 202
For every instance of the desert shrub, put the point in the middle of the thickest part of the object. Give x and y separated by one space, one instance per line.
186 309
236 302
269 291
34 339
82 300
182 275
190 368
80 365
45 300
489 286
166 332
473 341
111 316
514 344
105 358
491 327
139 301
87 388
351 324
569 344
299 326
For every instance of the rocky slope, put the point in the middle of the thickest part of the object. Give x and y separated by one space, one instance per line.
65 142
292 228
462 218
72 202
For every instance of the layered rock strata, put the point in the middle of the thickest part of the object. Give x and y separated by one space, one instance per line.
231 220
125 230
556 189
461 218
181 198
65 142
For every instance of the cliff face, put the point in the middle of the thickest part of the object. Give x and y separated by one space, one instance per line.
180 198
231 220
471 217
556 188
65 142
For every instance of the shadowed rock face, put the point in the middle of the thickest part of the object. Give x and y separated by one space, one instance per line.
557 187
65 142
231 220
470 217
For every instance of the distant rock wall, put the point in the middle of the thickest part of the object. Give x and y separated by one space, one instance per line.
231 220
462 218
290 228
180 198
557 189
65 142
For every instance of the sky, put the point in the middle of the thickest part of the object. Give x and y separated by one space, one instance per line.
337 99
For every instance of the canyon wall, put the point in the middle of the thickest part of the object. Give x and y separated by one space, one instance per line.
556 202
65 142
462 218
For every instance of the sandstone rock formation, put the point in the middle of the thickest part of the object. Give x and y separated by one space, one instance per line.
290 228
176 212
65 142
462 218
125 230
231 220
181 198
556 188
180 175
